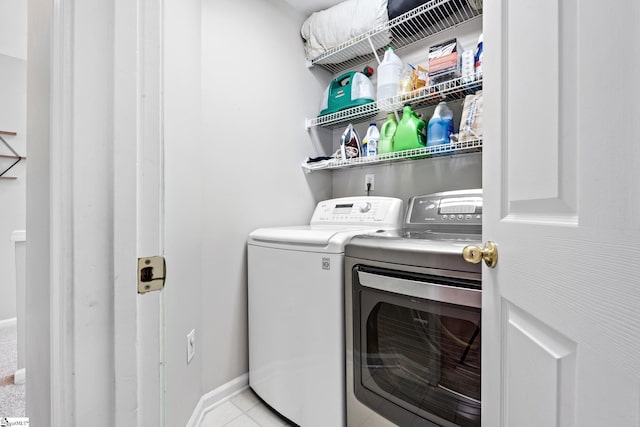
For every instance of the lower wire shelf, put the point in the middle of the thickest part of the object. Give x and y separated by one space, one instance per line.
467 146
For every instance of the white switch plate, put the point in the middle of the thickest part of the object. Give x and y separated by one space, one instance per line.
191 345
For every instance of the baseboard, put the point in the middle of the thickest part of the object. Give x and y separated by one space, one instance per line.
215 397
13 321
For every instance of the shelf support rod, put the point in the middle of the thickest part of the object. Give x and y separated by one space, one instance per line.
9 147
9 168
14 152
373 49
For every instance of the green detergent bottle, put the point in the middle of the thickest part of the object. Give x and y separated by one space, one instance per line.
387 130
410 133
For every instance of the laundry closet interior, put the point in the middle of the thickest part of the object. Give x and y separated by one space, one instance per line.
431 376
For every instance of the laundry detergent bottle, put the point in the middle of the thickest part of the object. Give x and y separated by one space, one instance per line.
389 72
478 57
410 133
387 131
440 126
370 141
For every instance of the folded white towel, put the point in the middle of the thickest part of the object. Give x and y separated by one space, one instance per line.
340 23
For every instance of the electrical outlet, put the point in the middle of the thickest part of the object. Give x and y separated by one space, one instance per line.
191 345
369 179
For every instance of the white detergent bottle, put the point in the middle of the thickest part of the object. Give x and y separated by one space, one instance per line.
370 141
389 72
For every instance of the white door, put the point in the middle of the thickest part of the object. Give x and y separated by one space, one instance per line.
561 310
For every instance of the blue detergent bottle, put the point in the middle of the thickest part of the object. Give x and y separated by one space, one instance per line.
440 126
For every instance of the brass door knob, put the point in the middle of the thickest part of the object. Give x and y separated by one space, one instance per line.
474 254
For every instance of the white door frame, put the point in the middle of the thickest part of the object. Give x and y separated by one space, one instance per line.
61 227
93 314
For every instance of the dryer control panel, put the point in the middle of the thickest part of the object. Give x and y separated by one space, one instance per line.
460 208
359 210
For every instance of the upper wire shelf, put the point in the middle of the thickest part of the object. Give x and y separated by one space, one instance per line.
450 90
424 21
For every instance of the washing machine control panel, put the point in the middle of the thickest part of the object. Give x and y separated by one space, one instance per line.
358 210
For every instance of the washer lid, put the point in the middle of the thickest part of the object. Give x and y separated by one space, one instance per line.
302 235
329 239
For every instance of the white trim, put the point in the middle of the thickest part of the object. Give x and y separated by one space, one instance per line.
19 236
7 323
61 219
216 397
149 206
20 376
126 117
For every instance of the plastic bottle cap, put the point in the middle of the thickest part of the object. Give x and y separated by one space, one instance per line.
367 71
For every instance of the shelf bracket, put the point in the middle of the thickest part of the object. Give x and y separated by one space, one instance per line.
373 49
16 156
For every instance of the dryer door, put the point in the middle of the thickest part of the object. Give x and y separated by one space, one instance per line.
417 357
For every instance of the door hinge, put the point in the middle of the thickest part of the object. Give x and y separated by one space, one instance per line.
151 274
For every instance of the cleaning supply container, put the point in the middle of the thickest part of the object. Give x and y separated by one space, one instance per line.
410 132
389 72
350 143
349 90
478 57
387 132
370 141
440 126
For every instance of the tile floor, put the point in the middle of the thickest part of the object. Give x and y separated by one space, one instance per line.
243 410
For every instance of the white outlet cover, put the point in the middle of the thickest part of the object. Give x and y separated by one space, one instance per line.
370 178
191 345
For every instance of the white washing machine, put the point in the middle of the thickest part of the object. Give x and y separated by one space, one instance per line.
296 307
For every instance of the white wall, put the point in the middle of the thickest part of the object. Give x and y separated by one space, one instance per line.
183 207
12 192
256 93
13 53
412 178
236 94
13 28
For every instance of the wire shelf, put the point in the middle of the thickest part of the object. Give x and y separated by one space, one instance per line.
355 113
424 21
446 91
467 146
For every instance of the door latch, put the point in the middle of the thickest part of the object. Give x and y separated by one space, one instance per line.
151 274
